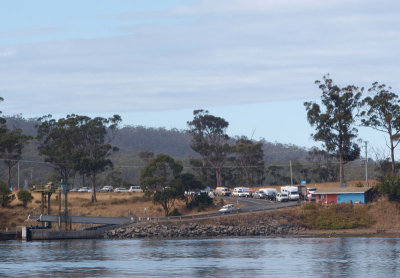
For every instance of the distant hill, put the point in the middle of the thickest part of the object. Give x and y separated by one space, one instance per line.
131 140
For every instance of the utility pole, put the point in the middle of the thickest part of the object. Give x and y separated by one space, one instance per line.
291 174
366 164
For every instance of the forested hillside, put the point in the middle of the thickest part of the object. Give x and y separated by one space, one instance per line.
132 139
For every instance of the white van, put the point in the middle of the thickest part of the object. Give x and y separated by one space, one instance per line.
222 191
241 192
270 192
291 191
135 188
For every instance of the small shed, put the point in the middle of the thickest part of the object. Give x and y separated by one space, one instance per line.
338 195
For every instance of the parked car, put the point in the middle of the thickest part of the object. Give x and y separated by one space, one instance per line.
259 195
84 189
74 190
227 208
282 197
270 192
311 193
107 188
241 192
222 191
121 190
135 188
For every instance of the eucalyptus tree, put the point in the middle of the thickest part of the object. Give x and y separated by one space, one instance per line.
334 120
78 144
210 140
94 149
382 113
158 179
249 157
12 143
58 142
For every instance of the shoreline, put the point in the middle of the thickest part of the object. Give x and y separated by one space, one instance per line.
195 230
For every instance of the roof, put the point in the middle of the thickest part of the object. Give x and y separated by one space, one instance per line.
342 190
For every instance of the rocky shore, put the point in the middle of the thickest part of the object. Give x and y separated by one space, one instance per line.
235 228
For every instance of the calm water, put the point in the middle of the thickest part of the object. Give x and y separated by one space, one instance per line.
234 257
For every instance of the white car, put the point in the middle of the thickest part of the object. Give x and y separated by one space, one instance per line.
84 189
241 192
121 190
227 208
107 188
311 193
282 197
135 188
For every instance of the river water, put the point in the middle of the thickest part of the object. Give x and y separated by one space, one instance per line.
227 257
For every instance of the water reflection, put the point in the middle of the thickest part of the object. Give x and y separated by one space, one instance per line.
233 257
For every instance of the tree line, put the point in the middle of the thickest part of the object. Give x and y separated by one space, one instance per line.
81 147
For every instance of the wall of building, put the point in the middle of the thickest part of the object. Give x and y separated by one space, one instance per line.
326 198
351 198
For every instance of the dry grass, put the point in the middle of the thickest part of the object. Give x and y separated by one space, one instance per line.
387 215
109 204
123 204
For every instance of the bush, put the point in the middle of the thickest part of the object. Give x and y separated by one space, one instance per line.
6 196
175 212
25 197
201 201
390 186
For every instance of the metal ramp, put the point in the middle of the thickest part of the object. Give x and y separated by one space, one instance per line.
84 219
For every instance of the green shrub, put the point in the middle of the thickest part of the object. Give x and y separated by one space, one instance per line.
175 212
6 196
25 197
390 186
201 201
359 184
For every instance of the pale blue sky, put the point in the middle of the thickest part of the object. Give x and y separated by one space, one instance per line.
253 62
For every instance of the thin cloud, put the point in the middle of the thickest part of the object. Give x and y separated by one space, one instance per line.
219 53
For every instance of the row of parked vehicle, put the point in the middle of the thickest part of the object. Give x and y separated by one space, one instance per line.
109 188
287 193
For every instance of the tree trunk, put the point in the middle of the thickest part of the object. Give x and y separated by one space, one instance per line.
94 199
341 170
9 176
392 157
218 175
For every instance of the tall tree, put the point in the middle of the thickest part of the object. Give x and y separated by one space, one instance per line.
335 126
95 136
58 143
12 143
382 113
210 140
250 160
158 180
78 143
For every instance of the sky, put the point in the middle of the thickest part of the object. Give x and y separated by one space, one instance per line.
252 62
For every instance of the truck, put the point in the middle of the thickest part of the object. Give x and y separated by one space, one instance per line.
291 191
222 191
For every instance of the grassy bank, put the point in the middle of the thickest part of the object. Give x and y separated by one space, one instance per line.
337 216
